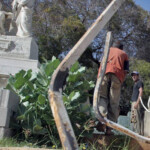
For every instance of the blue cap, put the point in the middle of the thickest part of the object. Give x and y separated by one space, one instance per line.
134 72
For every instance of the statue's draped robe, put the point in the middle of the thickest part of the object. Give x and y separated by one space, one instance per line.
24 17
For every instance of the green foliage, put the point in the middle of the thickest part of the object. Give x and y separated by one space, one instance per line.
35 122
75 97
34 115
57 29
49 46
73 29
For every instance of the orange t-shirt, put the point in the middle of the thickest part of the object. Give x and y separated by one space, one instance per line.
115 63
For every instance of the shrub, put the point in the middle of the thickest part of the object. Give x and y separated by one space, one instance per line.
35 122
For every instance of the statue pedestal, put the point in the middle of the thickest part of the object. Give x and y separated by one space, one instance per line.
15 54
13 46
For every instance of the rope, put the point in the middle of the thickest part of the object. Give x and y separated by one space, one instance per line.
144 105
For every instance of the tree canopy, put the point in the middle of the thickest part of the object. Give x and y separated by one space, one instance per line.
59 24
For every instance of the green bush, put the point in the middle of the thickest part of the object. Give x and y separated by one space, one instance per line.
35 122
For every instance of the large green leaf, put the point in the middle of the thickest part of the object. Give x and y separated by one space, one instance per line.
37 128
81 69
31 85
20 73
74 95
28 75
74 77
42 80
41 99
22 117
51 67
19 82
10 84
21 78
74 67
65 98
34 76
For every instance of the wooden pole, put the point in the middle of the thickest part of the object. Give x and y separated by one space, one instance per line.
62 120
101 76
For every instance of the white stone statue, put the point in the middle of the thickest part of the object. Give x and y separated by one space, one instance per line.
22 10
3 16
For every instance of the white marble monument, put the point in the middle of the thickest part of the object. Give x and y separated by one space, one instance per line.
16 53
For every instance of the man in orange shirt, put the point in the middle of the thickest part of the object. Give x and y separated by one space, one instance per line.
116 70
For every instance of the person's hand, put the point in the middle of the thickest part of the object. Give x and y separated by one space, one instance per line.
136 106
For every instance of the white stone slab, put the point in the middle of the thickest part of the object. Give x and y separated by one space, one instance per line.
13 46
3 81
15 54
8 100
14 65
4 117
4 98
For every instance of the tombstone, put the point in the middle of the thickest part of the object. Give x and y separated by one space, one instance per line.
15 54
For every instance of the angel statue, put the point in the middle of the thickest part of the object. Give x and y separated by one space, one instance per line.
22 15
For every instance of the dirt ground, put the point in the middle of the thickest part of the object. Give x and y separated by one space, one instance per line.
114 141
101 141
